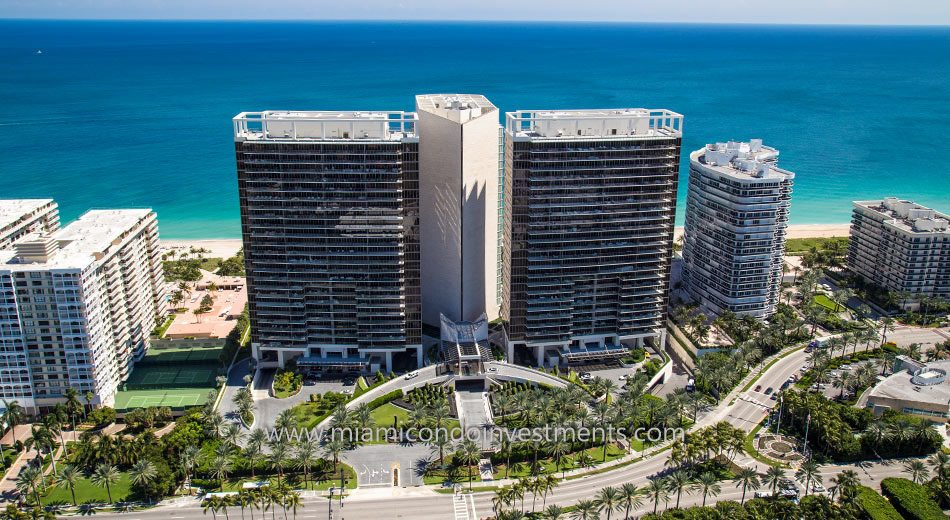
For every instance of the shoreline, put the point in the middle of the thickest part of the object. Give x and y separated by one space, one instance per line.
227 247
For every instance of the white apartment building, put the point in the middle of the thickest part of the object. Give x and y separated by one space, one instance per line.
459 165
20 217
736 219
901 246
77 306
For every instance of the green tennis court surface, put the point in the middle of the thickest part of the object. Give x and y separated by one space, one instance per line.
174 398
145 377
162 356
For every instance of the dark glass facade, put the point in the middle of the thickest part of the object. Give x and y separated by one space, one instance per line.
331 235
590 236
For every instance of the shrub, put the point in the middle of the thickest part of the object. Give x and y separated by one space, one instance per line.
911 500
103 416
874 506
385 398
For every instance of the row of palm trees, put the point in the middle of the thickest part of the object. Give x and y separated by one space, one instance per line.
261 499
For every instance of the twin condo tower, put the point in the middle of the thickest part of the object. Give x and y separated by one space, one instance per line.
366 231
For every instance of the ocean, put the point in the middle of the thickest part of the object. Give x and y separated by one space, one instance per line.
138 114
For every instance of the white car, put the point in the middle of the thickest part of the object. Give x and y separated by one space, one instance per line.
493 369
817 488
412 375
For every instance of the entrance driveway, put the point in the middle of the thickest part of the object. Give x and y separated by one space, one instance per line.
374 463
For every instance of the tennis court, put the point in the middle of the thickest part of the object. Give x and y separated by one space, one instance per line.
166 356
176 399
144 377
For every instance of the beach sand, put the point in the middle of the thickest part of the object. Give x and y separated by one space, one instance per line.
220 248
808 230
226 247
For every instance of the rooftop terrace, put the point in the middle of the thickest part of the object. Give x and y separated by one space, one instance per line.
621 123
275 125
908 216
456 107
12 210
81 242
742 160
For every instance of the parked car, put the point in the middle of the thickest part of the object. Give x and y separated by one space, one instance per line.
758 388
412 375
762 494
817 488
769 390
493 369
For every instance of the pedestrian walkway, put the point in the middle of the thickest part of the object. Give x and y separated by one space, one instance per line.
464 505
485 470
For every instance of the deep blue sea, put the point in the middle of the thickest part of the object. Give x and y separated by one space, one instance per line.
139 113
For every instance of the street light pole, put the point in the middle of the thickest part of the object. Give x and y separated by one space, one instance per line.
330 503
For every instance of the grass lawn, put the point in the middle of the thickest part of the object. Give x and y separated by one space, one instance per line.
801 245
828 303
308 414
87 492
160 330
547 465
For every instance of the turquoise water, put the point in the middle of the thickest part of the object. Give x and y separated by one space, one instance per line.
139 113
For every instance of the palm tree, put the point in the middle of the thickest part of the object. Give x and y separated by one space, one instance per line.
67 477
747 478
585 510
213 504
631 497
846 484
468 454
707 484
293 502
143 473
678 481
29 480
220 468
333 448
188 458
917 470
656 491
609 499
809 472
553 512
104 476
13 416
773 477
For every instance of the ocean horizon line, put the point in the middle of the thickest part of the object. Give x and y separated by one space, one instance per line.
574 22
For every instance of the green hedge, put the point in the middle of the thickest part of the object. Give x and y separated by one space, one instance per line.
874 506
911 500
385 398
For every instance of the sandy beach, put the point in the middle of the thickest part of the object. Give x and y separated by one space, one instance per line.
225 247
807 230
218 247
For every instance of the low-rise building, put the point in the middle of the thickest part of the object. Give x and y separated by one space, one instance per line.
901 246
914 388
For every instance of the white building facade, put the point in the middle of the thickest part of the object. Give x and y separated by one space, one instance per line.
901 246
736 219
77 307
459 163
20 217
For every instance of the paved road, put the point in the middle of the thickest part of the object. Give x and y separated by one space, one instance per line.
745 411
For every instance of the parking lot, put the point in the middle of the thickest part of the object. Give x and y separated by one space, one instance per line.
375 464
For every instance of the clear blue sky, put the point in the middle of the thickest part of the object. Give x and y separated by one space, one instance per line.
884 12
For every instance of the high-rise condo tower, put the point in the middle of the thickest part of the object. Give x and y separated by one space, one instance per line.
459 163
903 247
590 230
77 306
736 217
330 222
